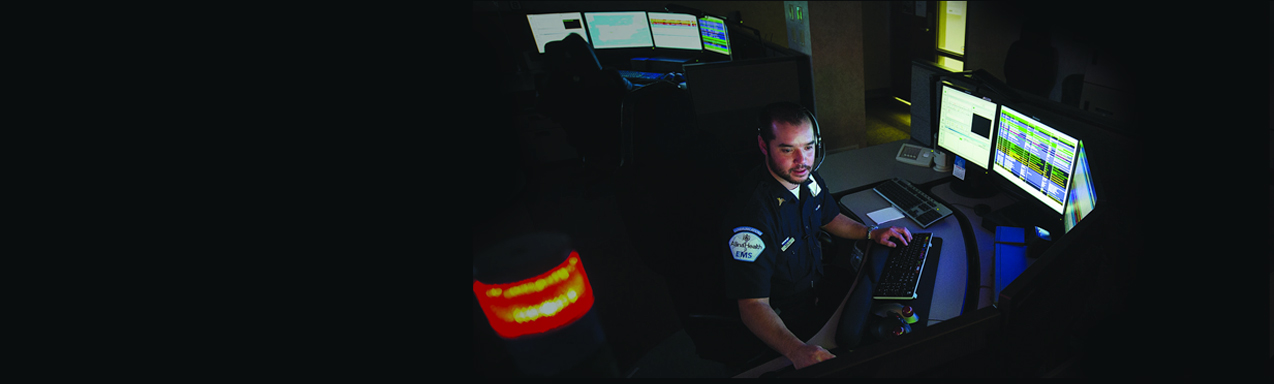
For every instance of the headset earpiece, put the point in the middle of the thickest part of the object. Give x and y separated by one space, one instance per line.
818 139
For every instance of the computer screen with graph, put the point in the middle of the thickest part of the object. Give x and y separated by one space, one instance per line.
550 27
715 35
1037 158
608 30
1083 193
675 30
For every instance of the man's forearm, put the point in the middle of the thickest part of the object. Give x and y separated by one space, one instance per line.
846 228
761 319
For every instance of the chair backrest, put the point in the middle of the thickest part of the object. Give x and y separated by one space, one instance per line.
584 98
1072 86
571 56
657 120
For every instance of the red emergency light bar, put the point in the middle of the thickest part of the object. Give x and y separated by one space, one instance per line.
536 305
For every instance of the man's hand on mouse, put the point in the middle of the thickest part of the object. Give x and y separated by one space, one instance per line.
883 236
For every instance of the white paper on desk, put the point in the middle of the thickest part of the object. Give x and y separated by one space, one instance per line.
885 215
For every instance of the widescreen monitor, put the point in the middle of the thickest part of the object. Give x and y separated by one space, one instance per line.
715 35
675 30
1083 193
550 27
609 30
1037 158
965 124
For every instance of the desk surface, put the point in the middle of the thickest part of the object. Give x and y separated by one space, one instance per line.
854 168
947 298
865 166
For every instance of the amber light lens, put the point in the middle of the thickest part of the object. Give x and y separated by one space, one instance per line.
553 299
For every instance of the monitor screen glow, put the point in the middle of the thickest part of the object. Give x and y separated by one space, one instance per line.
1083 196
1035 157
675 30
965 122
550 27
715 36
618 30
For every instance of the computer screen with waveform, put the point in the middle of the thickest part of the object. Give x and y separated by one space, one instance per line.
1037 158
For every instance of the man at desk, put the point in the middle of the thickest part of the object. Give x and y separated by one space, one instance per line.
774 261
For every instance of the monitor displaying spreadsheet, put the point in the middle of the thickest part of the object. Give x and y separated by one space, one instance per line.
1037 158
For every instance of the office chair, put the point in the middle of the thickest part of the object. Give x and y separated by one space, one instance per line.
674 222
1031 63
1072 88
582 96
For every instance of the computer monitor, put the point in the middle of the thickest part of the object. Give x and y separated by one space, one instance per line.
675 30
1037 158
715 35
1082 198
550 27
965 124
608 30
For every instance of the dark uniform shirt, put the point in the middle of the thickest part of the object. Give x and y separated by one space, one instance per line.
771 243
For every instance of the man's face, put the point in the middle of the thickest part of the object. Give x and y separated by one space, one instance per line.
790 156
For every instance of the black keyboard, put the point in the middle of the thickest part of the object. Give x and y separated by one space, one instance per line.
901 275
640 77
913 202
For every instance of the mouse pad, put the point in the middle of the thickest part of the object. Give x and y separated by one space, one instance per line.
924 297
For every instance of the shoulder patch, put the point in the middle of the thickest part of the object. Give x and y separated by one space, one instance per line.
746 246
749 229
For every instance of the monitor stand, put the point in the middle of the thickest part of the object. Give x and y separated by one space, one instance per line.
1024 214
976 185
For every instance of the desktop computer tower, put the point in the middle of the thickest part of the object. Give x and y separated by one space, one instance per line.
923 101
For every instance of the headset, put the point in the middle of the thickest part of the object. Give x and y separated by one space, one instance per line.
764 120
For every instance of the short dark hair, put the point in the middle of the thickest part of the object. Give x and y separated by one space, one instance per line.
784 111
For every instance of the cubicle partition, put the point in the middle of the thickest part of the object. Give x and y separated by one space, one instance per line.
727 96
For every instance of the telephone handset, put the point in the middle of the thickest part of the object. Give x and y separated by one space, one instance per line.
915 155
